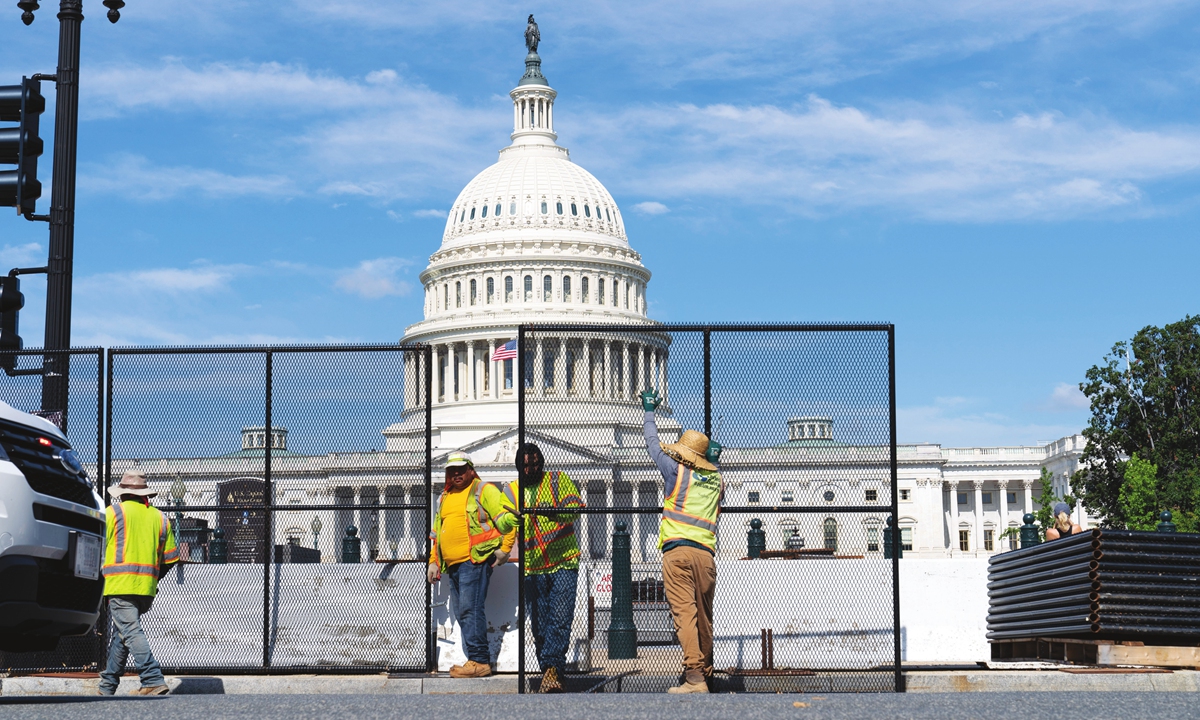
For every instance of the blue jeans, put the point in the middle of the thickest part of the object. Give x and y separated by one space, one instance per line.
128 639
468 592
550 604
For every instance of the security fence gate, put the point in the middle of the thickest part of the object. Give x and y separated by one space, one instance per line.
806 415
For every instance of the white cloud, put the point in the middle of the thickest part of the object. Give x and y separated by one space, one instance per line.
430 213
22 255
375 278
173 281
651 207
1066 396
135 177
952 422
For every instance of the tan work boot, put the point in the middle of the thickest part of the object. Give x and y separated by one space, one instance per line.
550 682
471 669
693 682
153 690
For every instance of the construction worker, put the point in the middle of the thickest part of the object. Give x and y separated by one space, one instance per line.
687 537
551 560
139 549
474 529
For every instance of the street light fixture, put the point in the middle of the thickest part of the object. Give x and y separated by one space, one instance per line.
316 529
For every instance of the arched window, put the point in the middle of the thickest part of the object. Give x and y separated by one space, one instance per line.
547 289
606 215
497 213
566 288
558 207
583 289
458 294
587 211
528 288
600 294
491 290
626 296
831 534
508 289
463 216
544 210
472 292
614 295
512 208
484 213
574 210
446 293
472 213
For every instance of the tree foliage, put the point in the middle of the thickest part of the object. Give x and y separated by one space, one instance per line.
1145 399
1045 502
1138 499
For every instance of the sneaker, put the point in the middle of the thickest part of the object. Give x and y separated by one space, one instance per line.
153 690
550 682
693 682
471 669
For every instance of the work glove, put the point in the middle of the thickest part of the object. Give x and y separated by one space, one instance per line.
651 400
713 454
500 556
433 573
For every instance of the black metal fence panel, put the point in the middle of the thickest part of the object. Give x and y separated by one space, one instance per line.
805 415
82 420
297 479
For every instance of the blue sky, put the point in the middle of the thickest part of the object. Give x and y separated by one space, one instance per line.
1014 185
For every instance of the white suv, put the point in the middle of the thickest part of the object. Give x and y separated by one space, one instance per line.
51 536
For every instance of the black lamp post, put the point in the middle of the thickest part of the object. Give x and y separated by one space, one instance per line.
62 200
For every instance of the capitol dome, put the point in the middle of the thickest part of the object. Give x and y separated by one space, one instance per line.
534 238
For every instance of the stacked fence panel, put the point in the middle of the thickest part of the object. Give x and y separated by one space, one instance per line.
805 415
1101 584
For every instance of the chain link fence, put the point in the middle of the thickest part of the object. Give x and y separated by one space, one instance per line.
806 417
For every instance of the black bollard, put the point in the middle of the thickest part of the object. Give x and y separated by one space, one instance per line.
756 540
889 543
351 546
218 549
1164 522
622 633
1030 535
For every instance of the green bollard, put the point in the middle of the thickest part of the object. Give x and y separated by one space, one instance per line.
622 633
1029 532
218 548
351 546
756 540
889 544
1165 525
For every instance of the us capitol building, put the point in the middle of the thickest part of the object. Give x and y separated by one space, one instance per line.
535 238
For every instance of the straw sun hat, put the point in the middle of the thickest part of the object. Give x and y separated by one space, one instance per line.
690 450
134 483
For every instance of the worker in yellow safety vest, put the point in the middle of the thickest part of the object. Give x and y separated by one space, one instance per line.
474 528
139 549
551 560
687 537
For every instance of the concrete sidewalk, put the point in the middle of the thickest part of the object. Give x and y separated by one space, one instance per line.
917 681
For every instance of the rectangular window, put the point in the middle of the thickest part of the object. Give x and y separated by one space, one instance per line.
987 498
786 496
872 539
1012 498
962 498
491 290
457 294
566 288
614 297
472 292
583 289
906 539
752 497
1012 542
964 540
508 374
905 494
508 289
600 295
988 543
872 495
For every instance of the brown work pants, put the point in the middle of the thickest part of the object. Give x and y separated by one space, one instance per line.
690 579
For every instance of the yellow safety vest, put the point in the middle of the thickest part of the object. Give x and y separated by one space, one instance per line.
690 512
550 542
139 542
489 517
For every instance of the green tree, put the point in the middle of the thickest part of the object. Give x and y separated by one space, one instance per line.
1145 399
1045 502
1138 500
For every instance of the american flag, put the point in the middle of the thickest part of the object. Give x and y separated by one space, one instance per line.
507 351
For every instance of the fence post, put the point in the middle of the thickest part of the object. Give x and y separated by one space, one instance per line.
351 546
218 549
891 540
622 634
1165 525
756 540
1029 532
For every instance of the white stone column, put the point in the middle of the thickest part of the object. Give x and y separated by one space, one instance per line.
953 485
436 359
641 369
589 354
606 373
626 376
1003 486
978 539
497 369
1028 486
539 369
471 394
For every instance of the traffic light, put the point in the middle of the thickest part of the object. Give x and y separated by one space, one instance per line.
20 145
11 302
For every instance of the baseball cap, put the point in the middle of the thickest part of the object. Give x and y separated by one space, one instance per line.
458 459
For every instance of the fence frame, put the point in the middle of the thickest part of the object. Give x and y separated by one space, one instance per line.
270 507
707 330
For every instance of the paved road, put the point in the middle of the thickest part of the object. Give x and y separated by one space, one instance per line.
958 706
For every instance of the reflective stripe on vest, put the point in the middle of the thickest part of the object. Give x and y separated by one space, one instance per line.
486 532
139 543
690 512
550 546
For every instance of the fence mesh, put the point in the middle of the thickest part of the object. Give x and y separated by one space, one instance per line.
805 418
